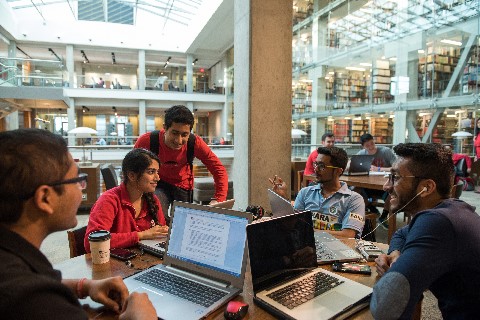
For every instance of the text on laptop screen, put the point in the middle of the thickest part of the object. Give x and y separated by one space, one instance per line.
208 239
280 244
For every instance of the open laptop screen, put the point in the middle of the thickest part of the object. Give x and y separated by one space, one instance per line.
208 239
281 244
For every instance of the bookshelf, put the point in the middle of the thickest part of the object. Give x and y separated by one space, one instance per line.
301 98
382 130
346 89
435 69
469 81
381 77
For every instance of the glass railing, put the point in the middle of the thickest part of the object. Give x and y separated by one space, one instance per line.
32 72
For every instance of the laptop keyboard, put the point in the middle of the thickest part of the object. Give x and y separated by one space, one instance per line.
181 287
304 290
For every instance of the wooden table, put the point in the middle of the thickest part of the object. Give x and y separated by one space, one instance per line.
374 182
82 266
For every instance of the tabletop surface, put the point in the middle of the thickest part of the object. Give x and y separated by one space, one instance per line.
82 266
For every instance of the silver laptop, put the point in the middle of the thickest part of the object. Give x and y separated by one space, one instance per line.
330 249
280 206
359 165
283 261
204 262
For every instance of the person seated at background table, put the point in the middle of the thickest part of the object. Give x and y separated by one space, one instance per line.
336 209
328 140
439 250
130 211
101 142
382 161
40 191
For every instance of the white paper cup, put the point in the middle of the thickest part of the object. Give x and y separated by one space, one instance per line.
100 246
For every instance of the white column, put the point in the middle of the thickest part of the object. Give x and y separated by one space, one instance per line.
142 117
189 73
141 70
70 66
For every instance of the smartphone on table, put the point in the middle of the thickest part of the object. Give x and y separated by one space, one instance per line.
352 267
122 254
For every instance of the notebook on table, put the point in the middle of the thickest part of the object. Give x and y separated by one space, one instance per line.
359 165
204 262
155 247
286 281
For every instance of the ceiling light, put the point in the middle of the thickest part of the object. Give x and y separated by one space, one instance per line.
421 51
53 52
113 58
85 109
114 110
85 59
167 62
452 42
366 64
355 68
194 61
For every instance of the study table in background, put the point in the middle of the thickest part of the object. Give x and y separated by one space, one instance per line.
374 182
82 267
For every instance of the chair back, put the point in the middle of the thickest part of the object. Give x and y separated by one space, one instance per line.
109 176
457 190
461 168
75 241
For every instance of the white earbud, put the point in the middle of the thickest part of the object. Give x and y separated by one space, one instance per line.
424 189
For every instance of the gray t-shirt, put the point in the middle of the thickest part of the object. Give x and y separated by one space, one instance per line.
384 157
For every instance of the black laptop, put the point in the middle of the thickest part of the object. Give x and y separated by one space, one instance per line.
286 281
359 165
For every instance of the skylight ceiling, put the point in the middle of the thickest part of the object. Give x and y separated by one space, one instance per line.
182 18
386 20
119 11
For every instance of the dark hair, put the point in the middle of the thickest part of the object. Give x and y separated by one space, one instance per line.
327 135
429 161
137 161
365 138
178 114
338 156
29 158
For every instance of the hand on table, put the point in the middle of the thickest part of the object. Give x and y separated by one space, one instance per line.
138 307
383 262
153 233
110 292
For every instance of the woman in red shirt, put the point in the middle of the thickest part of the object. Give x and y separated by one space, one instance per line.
130 211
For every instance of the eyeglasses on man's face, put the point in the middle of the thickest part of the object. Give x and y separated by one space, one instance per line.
81 180
320 166
394 177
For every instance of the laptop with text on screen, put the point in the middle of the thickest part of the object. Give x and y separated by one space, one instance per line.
285 279
204 262
359 165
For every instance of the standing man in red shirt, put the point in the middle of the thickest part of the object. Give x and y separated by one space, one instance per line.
176 171
328 140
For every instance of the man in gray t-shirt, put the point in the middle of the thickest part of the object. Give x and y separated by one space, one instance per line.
383 161
384 157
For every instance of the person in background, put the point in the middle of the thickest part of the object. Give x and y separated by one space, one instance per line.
328 140
176 172
130 211
100 83
383 160
40 191
101 142
439 250
335 208
477 140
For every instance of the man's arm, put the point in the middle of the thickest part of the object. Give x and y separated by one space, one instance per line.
216 168
427 254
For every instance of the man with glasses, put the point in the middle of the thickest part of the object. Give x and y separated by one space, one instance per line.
336 209
439 250
328 140
40 191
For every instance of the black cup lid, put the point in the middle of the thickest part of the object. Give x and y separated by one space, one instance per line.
99 235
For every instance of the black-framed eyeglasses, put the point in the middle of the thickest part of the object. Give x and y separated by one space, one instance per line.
81 180
394 177
320 166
